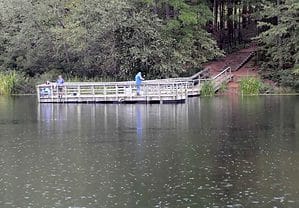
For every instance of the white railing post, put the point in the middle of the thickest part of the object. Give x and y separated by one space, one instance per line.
79 92
38 93
116 91
159 91
105 93
65 92
93 93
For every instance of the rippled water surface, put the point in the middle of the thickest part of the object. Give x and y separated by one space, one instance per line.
209 152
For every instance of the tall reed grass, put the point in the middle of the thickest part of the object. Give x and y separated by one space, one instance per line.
7 82
207 89
250 86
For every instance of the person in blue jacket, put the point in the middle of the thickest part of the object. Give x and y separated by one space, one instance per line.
138 80
60 82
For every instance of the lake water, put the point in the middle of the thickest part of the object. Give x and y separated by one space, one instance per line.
208 152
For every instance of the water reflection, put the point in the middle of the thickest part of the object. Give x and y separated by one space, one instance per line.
139 125
209 152
94 120
250 151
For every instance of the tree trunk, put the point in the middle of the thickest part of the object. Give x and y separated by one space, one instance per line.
66 53
280 64
221 16
221 25
240 35
244 15
215 11
235 24
230 25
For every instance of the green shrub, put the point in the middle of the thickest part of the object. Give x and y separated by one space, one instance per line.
296 69
286 78
13 82
283 90
266 88
7 82
250 86
207 89
223 87
296 82
24 85
296 86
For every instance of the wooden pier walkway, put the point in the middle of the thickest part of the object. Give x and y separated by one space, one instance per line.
173 90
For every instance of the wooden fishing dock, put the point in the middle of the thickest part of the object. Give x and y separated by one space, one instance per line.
173 90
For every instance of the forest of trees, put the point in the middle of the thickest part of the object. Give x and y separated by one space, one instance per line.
113 39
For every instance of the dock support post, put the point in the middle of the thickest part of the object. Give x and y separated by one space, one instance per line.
38 93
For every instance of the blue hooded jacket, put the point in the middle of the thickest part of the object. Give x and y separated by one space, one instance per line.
138 78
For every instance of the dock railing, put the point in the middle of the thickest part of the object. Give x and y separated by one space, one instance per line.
195 82
222 78
113 92
161 90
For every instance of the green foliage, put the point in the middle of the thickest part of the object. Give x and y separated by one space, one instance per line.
102 38
193 44
279 41
25 84
266 88
296 77
7 82
207 89
284 90
112 40
15 82
296 85
250 86
286 78
223 87
296 69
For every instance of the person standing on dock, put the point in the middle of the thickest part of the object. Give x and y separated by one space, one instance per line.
60 82
138 80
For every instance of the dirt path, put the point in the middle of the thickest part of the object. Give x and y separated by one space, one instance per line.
234 60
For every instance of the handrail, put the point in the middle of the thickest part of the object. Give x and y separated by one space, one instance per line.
244 61
199 73
224 71
227 69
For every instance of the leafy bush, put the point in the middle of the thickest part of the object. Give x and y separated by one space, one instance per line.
250 86
223 87
207 89
266 88
7 82
286 78
296 86
296 82
13 82
25 85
